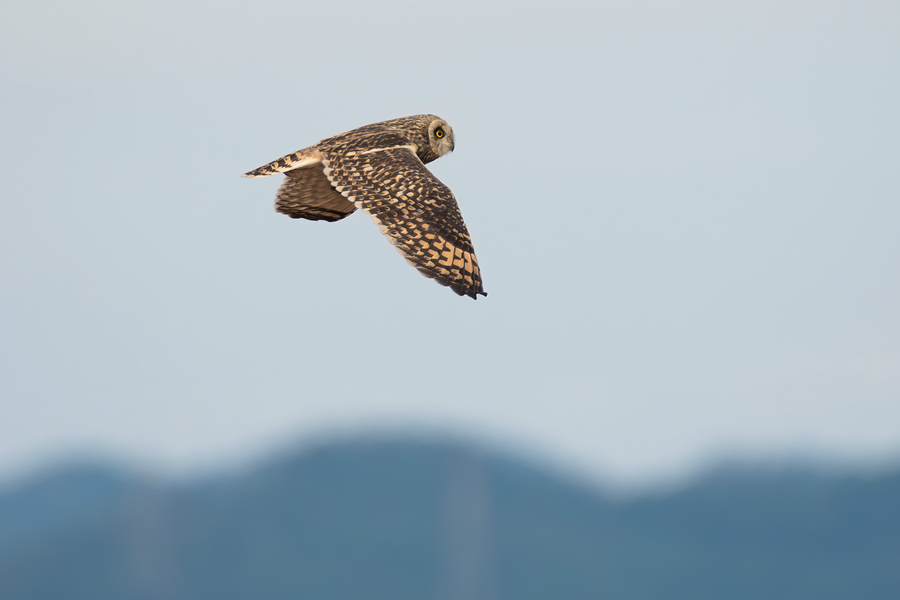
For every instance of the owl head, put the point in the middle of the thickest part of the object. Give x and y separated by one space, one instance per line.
440 140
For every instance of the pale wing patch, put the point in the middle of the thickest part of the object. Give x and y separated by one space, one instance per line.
409 147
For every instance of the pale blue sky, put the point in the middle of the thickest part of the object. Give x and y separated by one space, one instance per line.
686 215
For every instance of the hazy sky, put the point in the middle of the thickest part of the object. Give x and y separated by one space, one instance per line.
687 217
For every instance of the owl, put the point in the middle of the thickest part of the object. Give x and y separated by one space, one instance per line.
380 168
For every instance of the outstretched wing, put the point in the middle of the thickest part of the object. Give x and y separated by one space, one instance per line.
417 212
307 194
296 160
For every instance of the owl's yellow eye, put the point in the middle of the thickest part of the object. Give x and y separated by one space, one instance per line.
438 133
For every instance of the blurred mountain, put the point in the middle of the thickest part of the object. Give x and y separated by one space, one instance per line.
409 520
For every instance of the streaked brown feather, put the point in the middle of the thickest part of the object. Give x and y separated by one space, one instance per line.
307 194
417 213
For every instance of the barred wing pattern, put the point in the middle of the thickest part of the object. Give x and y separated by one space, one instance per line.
417 212
307 194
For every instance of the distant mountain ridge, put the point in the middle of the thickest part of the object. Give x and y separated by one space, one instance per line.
382 519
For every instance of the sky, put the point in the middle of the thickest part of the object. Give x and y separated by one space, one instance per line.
686 215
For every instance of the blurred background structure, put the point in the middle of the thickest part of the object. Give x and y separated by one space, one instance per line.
686 215
389 519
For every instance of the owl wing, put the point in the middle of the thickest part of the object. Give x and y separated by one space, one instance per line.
296 160
417 212
307 194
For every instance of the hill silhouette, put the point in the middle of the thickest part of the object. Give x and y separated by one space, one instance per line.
401 520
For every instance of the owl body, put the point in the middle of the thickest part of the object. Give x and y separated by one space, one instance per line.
380 169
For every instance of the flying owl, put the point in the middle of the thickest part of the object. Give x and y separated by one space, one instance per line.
380 168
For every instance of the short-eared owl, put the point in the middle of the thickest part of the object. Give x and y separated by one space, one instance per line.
380 168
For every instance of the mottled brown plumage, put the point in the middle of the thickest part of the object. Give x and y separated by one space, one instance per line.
380 168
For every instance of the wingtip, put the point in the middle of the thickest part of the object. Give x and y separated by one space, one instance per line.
473 294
